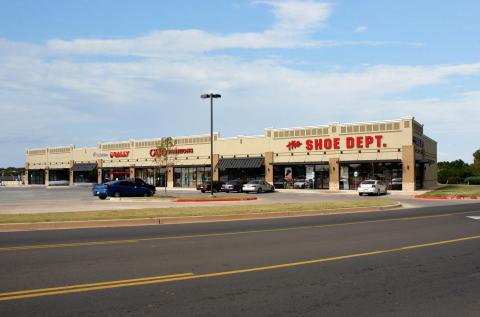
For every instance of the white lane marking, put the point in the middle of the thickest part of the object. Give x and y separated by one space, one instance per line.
474 217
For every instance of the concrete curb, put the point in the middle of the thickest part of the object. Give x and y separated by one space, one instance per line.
448 197
208 200
179 220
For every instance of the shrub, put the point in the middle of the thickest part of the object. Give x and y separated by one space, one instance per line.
472 180
454 180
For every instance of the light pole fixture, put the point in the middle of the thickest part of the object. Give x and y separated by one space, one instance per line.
211 96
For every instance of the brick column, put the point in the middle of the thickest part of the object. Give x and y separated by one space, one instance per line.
408 168
169 171
99 171
269 167
215 173
46 176
70 181
132 171
26 181
334 171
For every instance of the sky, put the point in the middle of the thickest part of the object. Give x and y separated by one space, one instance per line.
89 71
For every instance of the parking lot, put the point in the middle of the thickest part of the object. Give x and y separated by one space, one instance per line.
79 198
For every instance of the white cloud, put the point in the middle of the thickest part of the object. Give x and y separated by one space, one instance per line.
361 29
295 16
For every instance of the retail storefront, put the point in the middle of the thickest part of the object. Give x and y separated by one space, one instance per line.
337 156
301 176
353 173
36 177
84 173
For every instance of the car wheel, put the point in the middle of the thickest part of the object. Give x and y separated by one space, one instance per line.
102 196
360 194
202 191
116 194
227 191
259 191
145 194
273 189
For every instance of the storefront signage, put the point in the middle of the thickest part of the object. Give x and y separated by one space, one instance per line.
294 144
358 142
161 152
100 154
119 154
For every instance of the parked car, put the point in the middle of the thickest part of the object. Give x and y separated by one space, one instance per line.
258 186
397 183
232 186
205 187
124 189
98 189
373 187
141 182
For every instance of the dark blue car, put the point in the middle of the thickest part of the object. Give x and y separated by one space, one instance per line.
122 189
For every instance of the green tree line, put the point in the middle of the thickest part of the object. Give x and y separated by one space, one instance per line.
456 172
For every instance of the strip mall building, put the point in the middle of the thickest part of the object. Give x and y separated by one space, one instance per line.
335 156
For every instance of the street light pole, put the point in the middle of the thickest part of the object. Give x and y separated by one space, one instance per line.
211 96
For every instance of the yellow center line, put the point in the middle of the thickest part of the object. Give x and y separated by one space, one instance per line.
78 286
94 243
64 245
191 276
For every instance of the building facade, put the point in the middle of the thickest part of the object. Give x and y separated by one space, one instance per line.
336 156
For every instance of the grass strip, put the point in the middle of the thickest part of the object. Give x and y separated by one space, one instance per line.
456 190
189 211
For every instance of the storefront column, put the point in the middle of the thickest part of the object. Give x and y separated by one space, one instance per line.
70 180
170 176
46 176
26 181
269 167
99 171
132 171
334 173
215 173
408 168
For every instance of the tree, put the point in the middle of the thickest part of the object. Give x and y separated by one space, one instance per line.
165 154
476 162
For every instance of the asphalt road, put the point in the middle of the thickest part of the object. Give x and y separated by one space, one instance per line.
419 262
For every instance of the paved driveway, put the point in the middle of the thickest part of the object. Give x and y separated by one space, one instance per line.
79 198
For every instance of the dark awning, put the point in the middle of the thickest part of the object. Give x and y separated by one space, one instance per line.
84 167
246 162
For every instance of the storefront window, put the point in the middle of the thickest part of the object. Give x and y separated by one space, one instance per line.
116 174
352 174
85 177
244 174
300 176
189 177
59 177
419 172
36 177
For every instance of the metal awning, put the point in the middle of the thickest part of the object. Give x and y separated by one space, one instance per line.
84 167
244 162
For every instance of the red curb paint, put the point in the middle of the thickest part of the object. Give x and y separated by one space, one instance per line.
448 197
215 199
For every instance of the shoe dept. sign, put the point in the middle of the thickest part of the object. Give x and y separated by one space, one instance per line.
350 142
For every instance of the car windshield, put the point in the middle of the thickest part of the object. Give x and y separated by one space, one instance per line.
368 183
253 182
